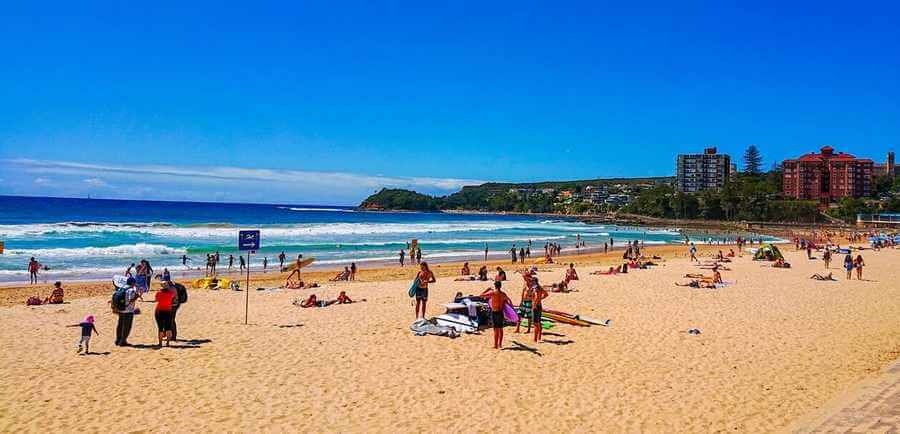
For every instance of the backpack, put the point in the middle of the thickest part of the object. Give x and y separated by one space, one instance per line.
182 295
120 299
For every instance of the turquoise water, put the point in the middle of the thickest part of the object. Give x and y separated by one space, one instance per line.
91 238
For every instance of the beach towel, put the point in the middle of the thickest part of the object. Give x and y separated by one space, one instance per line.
422 327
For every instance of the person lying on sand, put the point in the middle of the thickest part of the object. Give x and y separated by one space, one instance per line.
56 297
313 301
698 284
715 278
818 276
299 284
657 257
465 270
343 298
560 287
781 263
611 272
730 253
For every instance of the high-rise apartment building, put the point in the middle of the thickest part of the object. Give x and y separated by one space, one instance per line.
698 172
826 176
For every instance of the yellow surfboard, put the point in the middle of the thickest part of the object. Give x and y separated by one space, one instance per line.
302 263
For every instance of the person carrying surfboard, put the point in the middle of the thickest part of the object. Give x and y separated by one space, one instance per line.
424 277
498 301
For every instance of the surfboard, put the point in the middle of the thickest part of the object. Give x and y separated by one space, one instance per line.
293 265
414 287
589 320
509 312
564 319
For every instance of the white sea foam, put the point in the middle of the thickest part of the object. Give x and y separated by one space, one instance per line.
139 249
228 231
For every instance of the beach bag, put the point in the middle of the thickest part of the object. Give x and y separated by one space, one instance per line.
182 293
120 299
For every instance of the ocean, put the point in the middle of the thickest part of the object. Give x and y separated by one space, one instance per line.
96 238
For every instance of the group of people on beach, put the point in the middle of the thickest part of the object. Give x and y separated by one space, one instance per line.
169 299
415 255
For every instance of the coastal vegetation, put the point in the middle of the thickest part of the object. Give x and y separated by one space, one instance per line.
747 196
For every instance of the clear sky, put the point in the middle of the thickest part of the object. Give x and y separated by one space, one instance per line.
305 102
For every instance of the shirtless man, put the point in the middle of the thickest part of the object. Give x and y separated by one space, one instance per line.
425 277
537 297
525 303
497 300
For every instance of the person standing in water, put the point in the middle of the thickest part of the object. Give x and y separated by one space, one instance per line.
485 251
425 277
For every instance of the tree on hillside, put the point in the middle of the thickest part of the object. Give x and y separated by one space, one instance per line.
752 161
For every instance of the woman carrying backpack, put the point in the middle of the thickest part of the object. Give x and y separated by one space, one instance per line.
165 298
180 298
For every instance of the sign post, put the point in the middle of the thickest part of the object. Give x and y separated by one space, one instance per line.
248 241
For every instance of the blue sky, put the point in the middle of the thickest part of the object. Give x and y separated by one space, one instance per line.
325 102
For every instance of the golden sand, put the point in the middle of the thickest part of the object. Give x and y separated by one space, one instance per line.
774 346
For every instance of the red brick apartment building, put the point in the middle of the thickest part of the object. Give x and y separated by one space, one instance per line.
826 176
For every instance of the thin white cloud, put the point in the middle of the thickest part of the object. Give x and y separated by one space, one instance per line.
42 181
232 174
96 182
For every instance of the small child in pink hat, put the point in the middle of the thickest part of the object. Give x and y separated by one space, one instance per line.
87 326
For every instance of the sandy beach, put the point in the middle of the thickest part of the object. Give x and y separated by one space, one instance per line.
774 346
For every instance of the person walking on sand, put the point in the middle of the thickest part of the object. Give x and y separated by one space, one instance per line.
848 265
165 299
485 251
180 299
281 257
497 300
125 311
265 263
33 267
353 271
402 256
522 255
512 253
87 327
418 255
826 257
242 263
693 251
425 277
231 262
858 263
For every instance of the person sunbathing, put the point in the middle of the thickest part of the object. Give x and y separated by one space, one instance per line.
698 284
781 263
657 257
343 298
464 279
343 275
465 270
611 272
560 287
571 274
818 276
299 284
730 253
56 297
501 275
313 301
483 273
